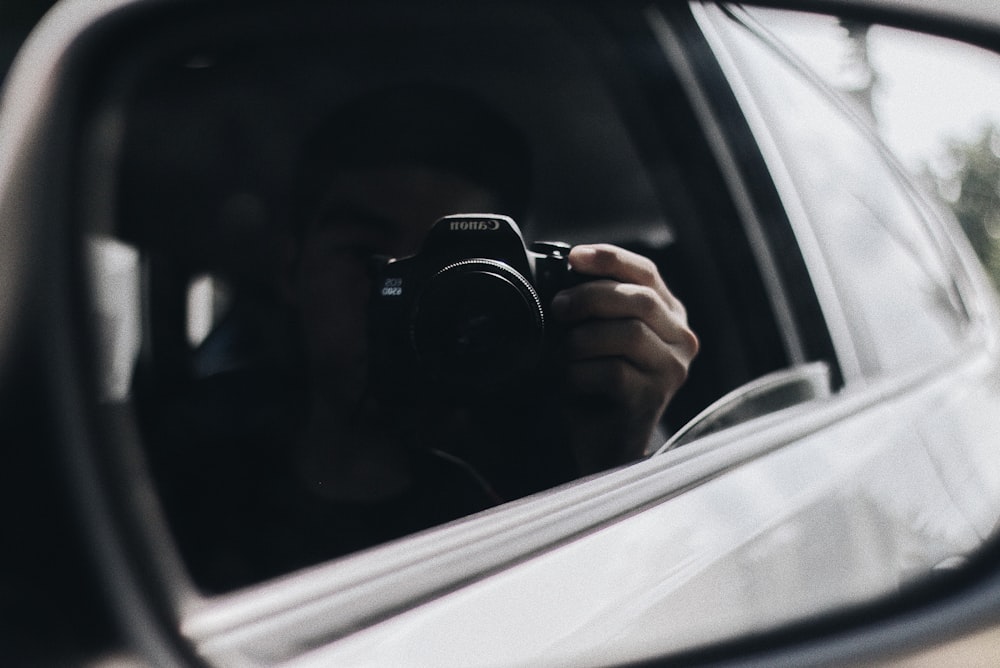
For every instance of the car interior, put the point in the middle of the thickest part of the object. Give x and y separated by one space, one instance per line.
207 137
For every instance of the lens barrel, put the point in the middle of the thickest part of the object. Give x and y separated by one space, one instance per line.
478 322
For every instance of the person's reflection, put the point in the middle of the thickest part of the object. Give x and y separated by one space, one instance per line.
343 471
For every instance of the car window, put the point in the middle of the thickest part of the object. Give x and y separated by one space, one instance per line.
888 281
272 290
921 92
933 101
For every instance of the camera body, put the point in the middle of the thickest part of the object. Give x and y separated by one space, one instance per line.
470 310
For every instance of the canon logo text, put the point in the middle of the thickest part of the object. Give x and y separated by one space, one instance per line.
488 225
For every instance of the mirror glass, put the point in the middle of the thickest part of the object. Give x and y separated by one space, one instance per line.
312 371
316 366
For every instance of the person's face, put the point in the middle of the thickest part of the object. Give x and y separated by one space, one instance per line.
383 211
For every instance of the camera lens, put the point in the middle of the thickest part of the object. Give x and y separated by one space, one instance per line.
478 323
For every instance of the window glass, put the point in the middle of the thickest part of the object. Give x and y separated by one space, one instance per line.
891 286
934 101
319 367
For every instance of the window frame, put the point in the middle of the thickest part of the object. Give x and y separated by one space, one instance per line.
730 127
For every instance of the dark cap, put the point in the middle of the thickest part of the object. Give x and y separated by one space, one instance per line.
444 128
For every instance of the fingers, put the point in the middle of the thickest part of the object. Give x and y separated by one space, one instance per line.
612 262
629 339
610 300
628 336
627 351
623 361
616 263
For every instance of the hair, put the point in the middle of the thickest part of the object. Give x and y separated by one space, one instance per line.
426 125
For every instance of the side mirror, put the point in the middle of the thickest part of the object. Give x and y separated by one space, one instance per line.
767 394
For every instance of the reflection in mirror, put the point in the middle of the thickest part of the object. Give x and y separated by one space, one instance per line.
315 372
285 422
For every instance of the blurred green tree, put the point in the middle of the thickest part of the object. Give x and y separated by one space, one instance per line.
969 181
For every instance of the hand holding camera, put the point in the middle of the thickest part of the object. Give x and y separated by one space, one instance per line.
470 311
627 353
476 313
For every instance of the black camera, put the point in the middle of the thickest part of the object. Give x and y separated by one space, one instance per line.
469 311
